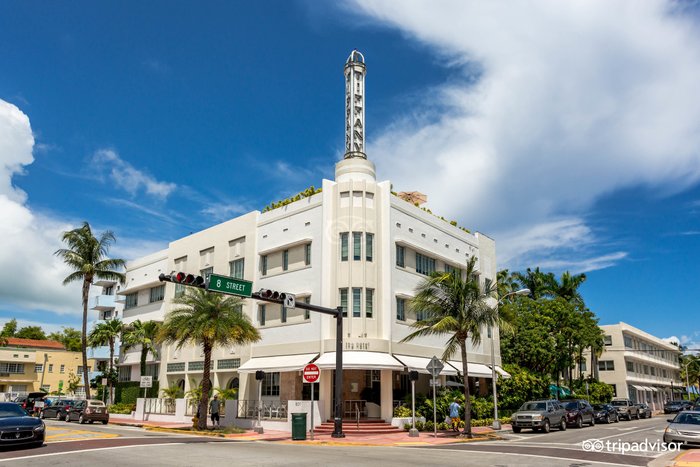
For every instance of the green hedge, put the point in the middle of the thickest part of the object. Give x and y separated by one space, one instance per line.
126 392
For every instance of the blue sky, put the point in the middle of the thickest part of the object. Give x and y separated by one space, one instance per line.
568 131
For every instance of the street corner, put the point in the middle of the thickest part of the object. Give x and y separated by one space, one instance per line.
57 434
687 459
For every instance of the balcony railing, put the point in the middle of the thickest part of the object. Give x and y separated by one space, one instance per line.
160 406
103 302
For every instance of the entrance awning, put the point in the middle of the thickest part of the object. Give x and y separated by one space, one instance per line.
420 365
502 372
639 388
360 361
279 363
476 370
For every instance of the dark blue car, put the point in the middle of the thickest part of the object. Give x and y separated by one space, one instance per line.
18 428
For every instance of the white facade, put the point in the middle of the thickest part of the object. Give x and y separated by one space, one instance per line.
355 244
641 367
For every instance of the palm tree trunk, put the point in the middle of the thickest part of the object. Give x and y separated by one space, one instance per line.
111 362
83 340
206 387
467 400
144 355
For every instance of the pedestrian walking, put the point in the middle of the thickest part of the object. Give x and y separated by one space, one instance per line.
214 407
454 415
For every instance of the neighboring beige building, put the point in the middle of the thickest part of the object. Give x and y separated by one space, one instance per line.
27 365
639 366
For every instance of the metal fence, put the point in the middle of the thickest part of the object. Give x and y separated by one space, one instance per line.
159 406
269 410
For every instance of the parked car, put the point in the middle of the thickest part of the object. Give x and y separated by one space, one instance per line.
57 409
27 402
684 428
88 411
644 410
539 415
17 427
677 406
625 408
578 412
605 413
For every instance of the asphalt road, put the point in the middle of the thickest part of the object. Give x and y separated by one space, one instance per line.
89 445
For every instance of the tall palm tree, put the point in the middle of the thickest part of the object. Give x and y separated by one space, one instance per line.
143 334
107 333
541 284
86 255
567 287
207 319
459 308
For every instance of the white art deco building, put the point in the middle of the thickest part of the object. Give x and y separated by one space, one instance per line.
354 244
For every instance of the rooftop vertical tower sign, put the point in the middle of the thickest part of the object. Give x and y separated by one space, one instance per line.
355 71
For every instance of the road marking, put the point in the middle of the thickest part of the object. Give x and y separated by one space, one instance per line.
85 450
627 433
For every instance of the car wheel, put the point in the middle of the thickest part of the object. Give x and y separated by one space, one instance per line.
562 425
636 416
38 444
545 427
617 418
81 419
104 422
59 416
579 422
67 419
517 429
592 420
607 419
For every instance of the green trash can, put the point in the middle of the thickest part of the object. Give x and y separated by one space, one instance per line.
299 426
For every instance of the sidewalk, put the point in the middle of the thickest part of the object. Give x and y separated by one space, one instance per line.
400 438
687 458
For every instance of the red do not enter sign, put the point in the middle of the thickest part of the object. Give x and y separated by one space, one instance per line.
311 373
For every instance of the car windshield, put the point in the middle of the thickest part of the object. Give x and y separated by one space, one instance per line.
537 406
11 410
599 406
96 404
571 406
688 418
619 403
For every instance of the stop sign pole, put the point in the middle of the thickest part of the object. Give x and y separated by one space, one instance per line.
311 374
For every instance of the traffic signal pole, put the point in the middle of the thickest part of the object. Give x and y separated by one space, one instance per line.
338 314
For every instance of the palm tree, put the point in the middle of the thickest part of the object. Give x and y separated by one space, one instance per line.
541 284
457 307
107 333
86 255
567 287
207 319
143 334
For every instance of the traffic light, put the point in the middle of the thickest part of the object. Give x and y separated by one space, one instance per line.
413 375
287 299
184 279
259 375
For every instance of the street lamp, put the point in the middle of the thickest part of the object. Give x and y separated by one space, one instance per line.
496 421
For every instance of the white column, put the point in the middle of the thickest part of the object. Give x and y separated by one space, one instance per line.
387 395
325 394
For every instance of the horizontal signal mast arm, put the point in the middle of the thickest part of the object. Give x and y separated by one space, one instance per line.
303 306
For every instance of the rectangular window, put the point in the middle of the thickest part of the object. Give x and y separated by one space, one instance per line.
606 365
228 364
38 368
263 265
356 246
628 342
50 367
453 270
424 264
236 268
307 254
356 302
205 272
400 309
157 294
630 366
63 369
400 253
284 314
421 315
582 365
369 246
131 300
344 302
607 340
344 246
14 368
179 290
285 260
261 311
80 370
307 313
369 302
177 367
271 384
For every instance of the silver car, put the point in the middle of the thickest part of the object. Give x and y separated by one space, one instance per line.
684 428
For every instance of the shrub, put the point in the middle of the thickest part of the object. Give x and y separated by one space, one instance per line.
122 408
402 412
129 391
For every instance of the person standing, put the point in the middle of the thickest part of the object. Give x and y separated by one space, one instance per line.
454 415
214 407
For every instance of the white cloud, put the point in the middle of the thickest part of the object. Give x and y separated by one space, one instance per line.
127 177
692 342
571 101
31 276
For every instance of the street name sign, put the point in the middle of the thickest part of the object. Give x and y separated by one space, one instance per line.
434 367
229 285
146 381
311 373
